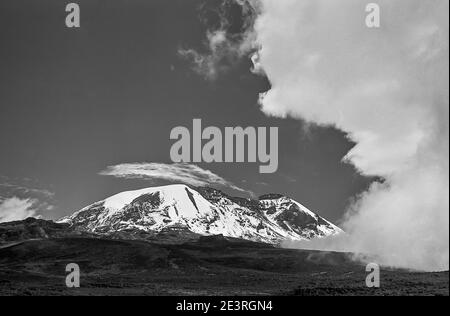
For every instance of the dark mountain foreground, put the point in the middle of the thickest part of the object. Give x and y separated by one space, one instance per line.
189 265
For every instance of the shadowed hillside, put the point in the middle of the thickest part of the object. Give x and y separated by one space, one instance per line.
208 266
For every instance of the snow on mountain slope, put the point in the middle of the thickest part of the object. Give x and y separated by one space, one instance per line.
204 211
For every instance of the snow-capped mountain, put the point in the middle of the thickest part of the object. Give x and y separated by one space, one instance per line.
204 211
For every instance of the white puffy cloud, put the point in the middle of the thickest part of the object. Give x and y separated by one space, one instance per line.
176 172
22 198
388 89
15 209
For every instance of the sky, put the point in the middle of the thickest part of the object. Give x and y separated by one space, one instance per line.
362 112
76 104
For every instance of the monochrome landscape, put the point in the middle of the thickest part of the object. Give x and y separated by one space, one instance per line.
224 148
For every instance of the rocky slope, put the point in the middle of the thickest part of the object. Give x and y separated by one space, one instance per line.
203 211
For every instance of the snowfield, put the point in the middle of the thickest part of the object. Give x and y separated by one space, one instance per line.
204 211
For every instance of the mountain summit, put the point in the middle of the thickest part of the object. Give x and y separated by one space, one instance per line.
272 218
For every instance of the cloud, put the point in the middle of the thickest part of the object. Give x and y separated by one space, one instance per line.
388 89
177 172
23 192
224 47
16 188
15 209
